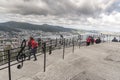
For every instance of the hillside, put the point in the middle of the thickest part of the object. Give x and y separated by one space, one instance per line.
16 26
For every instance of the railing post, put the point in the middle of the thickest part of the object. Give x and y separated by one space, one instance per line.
9 67
56 42
63 48
73 45
40 45
107 38
79 41
44 50
119 39
50 47
66 43
103 38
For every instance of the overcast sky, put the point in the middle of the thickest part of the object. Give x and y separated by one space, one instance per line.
79 14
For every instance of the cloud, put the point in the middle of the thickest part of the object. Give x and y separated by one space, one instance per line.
54 7
99 14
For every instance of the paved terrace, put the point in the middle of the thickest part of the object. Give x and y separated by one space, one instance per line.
96 62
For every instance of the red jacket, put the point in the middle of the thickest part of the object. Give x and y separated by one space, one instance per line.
32 44
88 39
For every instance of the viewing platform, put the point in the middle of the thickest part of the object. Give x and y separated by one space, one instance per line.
94 62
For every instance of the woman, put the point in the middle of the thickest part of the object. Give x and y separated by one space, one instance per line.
88 40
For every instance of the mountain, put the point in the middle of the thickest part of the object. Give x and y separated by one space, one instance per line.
16 26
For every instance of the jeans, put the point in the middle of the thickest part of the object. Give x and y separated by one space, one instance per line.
87 43
33 52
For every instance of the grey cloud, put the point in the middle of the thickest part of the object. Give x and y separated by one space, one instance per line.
54 7
60 7
51 8
29 10
114 7
87 14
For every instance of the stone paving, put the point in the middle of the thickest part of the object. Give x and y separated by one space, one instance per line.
95 62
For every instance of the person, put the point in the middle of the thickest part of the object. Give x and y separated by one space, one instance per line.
39 42
88 40
32 45
114 40
98 40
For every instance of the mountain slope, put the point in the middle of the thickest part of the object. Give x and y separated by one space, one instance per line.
15 26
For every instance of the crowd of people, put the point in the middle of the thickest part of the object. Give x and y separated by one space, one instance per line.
91 40
33 44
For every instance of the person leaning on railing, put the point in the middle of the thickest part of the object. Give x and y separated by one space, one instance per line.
32 44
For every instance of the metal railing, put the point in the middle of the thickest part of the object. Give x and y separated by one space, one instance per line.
13 57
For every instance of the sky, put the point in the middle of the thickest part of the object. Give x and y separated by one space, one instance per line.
78 14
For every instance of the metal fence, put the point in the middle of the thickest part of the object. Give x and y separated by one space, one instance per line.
50 45
20 54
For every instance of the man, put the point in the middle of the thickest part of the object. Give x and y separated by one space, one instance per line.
32 44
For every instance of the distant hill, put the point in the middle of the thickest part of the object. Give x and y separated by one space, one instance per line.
16 26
